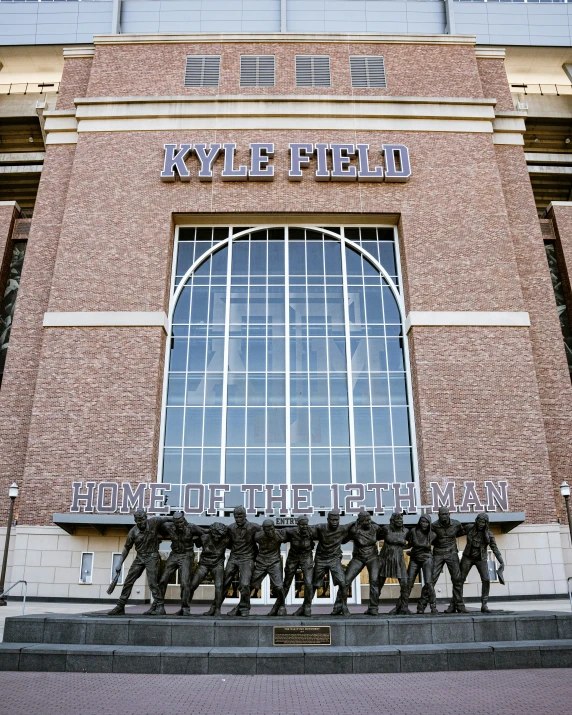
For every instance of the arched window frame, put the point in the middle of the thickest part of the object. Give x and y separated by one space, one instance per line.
228 242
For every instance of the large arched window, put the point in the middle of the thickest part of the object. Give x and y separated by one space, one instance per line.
287 361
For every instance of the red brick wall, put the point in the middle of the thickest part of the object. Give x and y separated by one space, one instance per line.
495 83
75 78
96 402
412 70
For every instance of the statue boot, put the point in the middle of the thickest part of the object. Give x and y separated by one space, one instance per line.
485 597
277 609
450 608
119 610
185 611
156 611
233 612
371 611
213 611
152 611
305 611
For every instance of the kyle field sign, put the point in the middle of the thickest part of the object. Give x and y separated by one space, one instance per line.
333 162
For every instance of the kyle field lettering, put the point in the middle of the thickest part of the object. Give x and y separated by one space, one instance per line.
334 162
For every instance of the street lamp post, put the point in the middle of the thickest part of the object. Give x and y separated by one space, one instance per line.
565 491
12 493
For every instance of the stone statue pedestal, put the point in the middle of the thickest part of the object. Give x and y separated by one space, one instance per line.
359 644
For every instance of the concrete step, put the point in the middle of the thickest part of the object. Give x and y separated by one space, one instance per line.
257 632
499 655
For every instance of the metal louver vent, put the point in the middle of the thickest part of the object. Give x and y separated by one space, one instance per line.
367 71
257 71
313 71
202 71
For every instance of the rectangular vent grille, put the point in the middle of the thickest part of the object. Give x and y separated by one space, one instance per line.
202 71
257 71
367 71
313 71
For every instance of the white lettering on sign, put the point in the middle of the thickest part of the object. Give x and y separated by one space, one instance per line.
333 162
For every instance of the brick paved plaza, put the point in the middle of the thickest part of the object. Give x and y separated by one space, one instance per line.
522 692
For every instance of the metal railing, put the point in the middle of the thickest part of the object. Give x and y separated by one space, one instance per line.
29 87
555 90
14 586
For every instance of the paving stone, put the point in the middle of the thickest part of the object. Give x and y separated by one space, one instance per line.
470 656
509 656
406 631
235 634
151 633
43 658
9 656
452 630
328 659
90 659
372 633
531 628
494 629
423 658
137 659
185 661
70 631
280 660
376 659
107 631
24 629
228 661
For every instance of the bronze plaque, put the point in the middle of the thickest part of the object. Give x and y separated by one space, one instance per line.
302 635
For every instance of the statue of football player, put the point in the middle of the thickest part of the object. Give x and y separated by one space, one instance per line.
330 537
243 550
391 558
445 552
214 543
145 537
420 539
479 539
268 563
300 556
364 534
181 558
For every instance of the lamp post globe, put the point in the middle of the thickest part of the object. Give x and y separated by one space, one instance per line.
12 493
565 491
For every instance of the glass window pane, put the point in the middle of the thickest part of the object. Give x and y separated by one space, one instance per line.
353 262
362 426
276 298
192 466
297 258
340 427
403 465
361 388
237 354
384 467
377 357
381 426
174 427
255 466
364 466
217 304
172 465
315 258
300 466
400 424
341 470
373 304
240 258
257 389
390 306
356 304
257 305
236 389
276 426
234 468
184 256
337 354
255 431
398 389
181 313
387 257
193 427
199 304
276 459
256 354
316 304
333 258
195 388
298 390
335 303
238 305
197 354
379 390
276 390
215 354
359 354
317 354
235 426
211 466
298 310
320 463
299 354
299 427
395 354
276 259
318 389
258 258
319 427
276 358
176 390
178 359
213 395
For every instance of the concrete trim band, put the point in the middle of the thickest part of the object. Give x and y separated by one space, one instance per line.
106 319
459 318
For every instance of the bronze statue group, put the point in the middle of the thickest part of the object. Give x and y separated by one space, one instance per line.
255 554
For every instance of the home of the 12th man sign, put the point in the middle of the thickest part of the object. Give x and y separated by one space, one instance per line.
334 162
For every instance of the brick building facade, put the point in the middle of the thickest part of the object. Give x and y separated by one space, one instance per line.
84 391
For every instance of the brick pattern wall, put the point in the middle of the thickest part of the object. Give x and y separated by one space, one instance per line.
412 70
495 83
8 215
550 361
18 385
75 77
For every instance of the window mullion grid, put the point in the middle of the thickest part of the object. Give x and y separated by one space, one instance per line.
266 292
247 238
225 364
348 359
387 378
287 358
306 337
329 399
